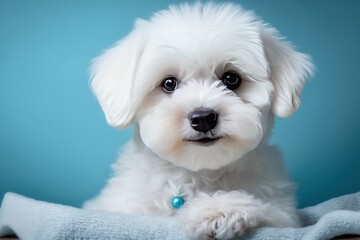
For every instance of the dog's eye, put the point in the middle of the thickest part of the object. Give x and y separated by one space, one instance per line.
231 80
169 84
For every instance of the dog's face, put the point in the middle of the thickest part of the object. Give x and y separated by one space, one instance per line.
202 82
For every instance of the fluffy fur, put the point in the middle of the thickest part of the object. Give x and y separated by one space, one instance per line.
238 182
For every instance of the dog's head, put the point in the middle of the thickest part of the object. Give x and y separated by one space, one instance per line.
201 81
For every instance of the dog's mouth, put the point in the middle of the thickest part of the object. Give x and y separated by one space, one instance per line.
206 141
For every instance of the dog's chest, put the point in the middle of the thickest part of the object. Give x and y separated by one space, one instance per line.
159 190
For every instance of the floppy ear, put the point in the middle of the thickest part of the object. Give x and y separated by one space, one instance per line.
113 75
288 71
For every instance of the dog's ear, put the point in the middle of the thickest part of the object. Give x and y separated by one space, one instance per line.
288 71
113 75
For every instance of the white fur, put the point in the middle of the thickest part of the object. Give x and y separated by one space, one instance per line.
235 184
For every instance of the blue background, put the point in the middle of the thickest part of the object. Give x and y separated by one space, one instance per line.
56 146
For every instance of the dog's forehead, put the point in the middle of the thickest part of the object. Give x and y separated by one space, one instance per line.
196 39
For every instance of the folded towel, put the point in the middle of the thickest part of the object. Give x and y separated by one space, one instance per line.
30 219
335 217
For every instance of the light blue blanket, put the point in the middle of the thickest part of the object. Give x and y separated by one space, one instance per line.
31 219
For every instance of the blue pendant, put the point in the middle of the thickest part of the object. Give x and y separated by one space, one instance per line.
177 201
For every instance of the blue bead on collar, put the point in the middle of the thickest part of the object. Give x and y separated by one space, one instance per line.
177 201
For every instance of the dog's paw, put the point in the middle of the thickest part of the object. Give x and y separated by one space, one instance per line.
222 216
219 225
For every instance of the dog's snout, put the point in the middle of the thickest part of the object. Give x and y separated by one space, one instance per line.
203 120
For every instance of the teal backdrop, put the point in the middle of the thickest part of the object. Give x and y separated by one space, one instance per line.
54 141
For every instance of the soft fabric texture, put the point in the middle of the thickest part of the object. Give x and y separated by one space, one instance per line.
32 219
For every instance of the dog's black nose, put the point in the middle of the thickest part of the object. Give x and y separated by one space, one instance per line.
203 120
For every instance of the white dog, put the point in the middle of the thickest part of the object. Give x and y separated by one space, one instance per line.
201 83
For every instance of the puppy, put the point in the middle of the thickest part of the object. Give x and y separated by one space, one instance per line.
201 83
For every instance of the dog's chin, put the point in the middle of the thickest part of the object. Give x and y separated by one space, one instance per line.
210 153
